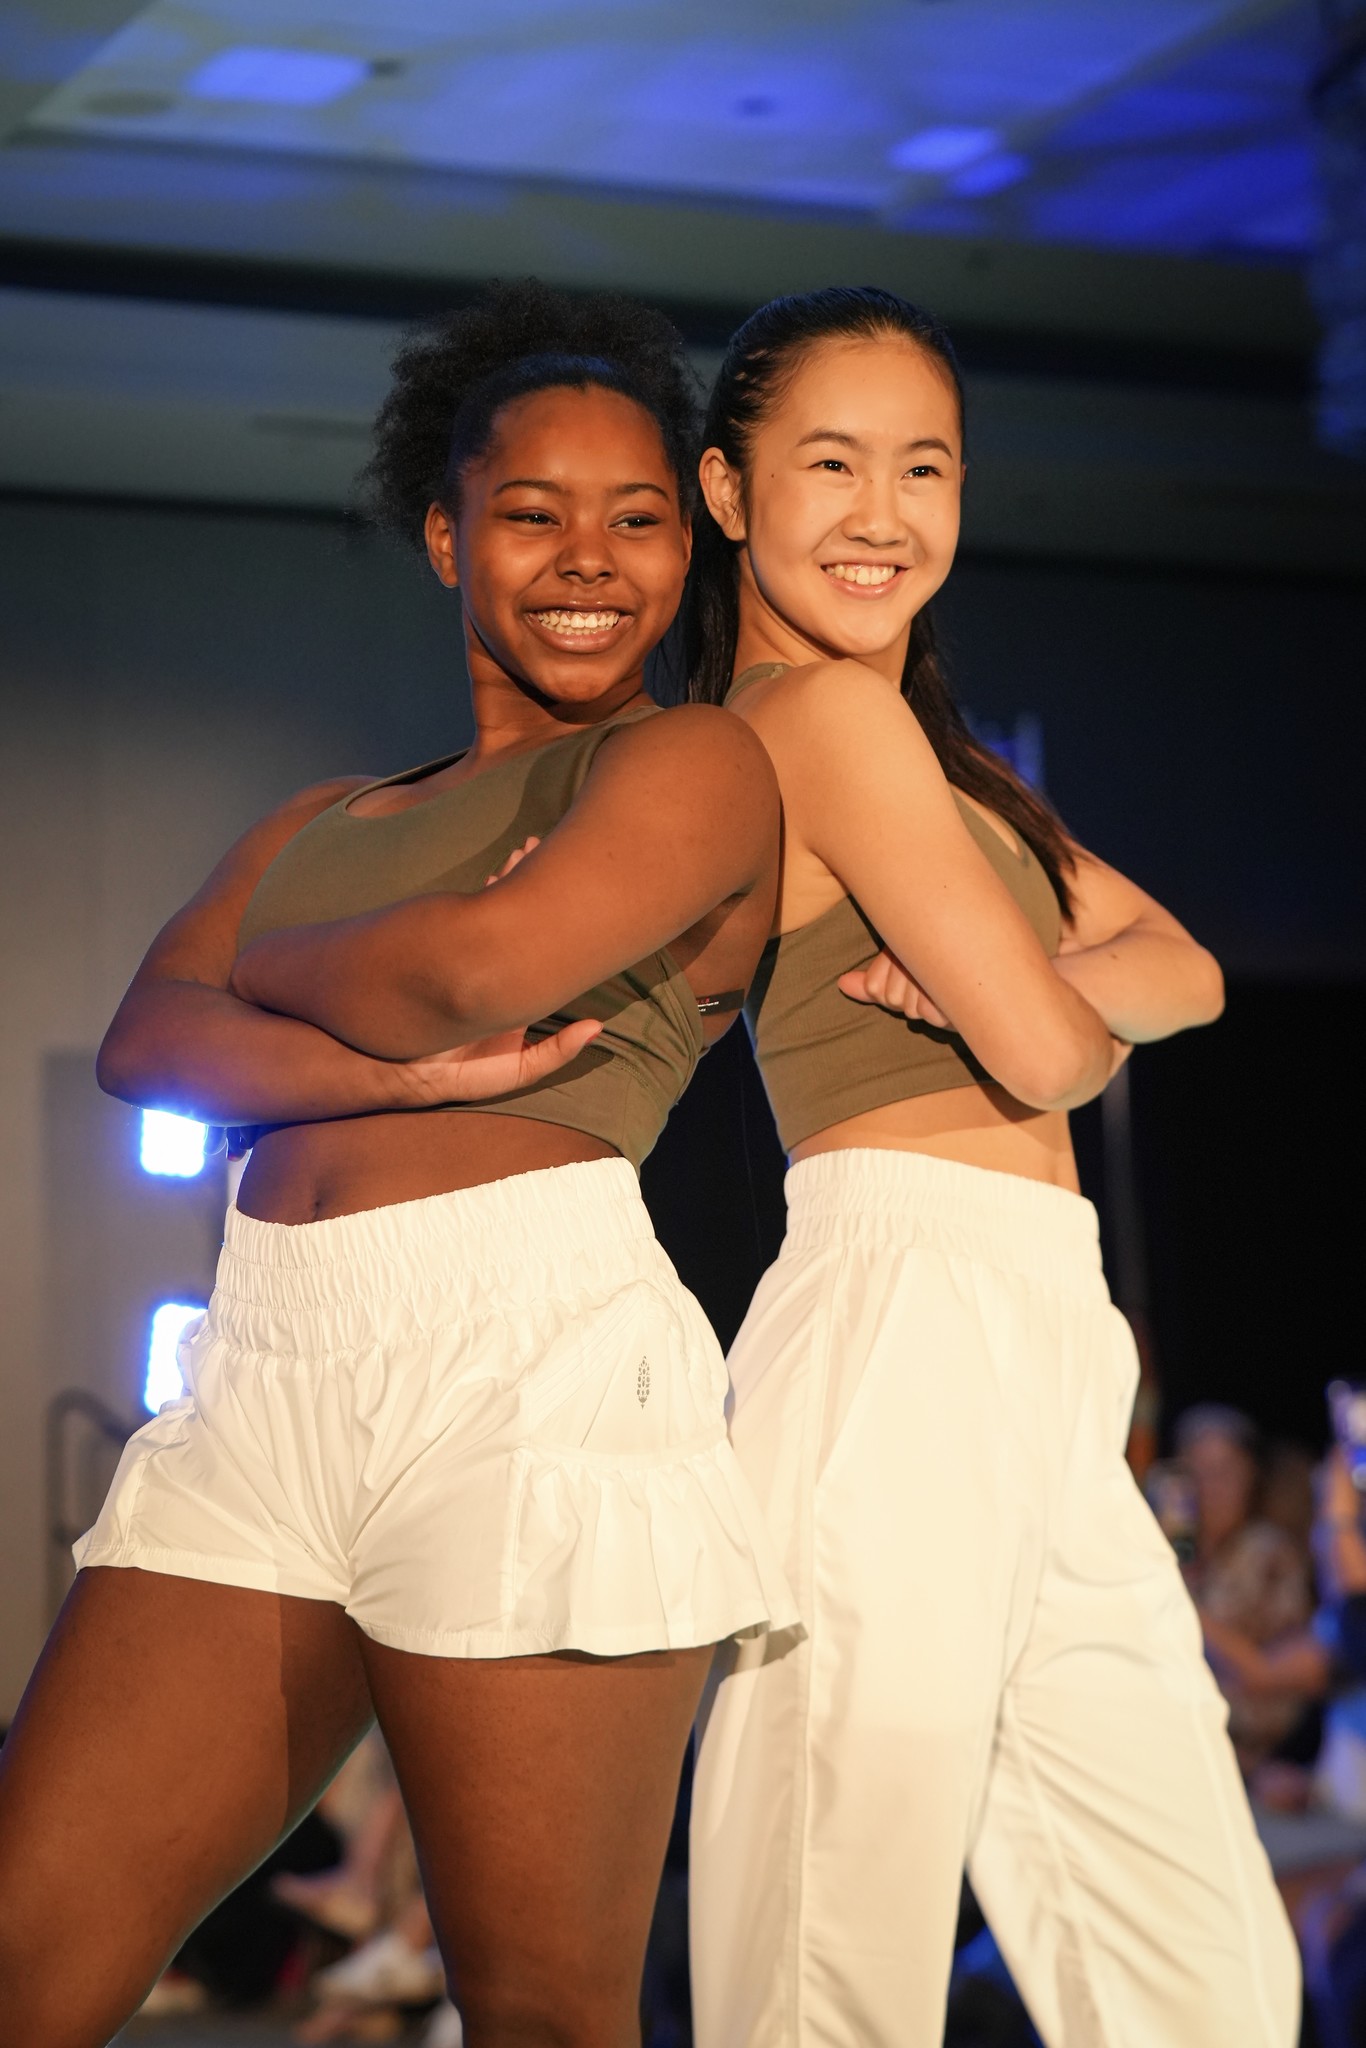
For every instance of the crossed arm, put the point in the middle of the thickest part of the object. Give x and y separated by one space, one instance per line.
875 807
865 794
428 1001
182 1040
676 815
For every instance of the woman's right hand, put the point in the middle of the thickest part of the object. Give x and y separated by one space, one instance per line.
498 1065
514 859
885 982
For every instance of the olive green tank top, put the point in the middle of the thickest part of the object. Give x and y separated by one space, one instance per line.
622 1086
825 1057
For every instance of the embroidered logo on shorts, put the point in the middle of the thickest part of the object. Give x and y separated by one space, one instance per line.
643 1381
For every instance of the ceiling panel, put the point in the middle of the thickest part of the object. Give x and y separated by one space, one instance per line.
986 116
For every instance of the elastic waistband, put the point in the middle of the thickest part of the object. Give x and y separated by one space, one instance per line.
903 1200
559 1233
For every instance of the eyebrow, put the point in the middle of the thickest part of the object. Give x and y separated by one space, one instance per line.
541 483
862 448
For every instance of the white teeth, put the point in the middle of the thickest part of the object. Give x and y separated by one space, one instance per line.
860 572
578 622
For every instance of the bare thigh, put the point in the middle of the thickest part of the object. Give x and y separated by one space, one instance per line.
172 1731
541 1791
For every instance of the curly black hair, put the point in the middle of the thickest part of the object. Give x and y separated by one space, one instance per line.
451 380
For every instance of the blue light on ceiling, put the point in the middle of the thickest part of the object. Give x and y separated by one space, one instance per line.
277 77
994 174
163 1382
943 149
172 1145
1181 200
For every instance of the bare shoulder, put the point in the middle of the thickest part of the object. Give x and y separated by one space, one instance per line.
199 943
302 807
695 741
825 700
248 857
830 723
319 796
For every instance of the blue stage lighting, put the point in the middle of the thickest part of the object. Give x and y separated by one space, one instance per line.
163 1382
993 174
277 78
172 1144
943 149
1338 274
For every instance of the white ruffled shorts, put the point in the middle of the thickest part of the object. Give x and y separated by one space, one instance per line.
487 1424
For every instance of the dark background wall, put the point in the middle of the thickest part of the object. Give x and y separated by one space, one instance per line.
166 675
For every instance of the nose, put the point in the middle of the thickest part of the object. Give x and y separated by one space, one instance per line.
585 555
876 518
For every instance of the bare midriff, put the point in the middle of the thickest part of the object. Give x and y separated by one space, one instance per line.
979 1125
306 1173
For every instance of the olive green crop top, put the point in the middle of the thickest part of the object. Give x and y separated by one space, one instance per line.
622 1086
825 1057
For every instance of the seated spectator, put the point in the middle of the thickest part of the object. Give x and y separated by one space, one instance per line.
1330 1913
1250 1580
373 1899
364 1806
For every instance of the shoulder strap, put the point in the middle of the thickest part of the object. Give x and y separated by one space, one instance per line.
760 673
593 736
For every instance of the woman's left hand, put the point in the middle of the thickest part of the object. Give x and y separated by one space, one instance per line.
885 982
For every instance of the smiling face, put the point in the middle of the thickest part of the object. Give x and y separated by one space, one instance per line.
569 549
849 509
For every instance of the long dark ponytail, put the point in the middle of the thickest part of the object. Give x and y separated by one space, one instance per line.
763 357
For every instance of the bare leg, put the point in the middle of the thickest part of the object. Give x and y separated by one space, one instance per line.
172 1732
541 1791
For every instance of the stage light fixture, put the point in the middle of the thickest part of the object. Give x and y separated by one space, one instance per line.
992 174
163 1382
940 150
172 1144
277 77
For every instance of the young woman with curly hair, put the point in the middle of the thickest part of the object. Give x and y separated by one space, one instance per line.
932 1390
453 1449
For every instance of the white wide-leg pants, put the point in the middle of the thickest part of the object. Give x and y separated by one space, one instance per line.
1002 1668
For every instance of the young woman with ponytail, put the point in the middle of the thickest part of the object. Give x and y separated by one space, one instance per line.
453 1445
1001 1668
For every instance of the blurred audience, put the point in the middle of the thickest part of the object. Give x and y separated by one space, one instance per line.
373 1899
1250 1577
1330 1911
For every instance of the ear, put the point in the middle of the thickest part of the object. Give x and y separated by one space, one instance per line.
723 494
438 530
